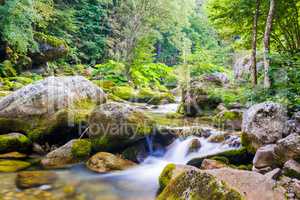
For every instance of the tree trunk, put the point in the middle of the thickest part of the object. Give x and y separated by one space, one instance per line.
267 81
254 44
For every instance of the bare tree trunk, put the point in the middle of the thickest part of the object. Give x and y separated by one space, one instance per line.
267 81
254 44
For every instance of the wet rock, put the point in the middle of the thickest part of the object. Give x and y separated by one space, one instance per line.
212 164
73 152
195 98
115 125
292 169
136 153
13 165
264 157
274 174
194 145
14 142
13 155
287 149
218 138
263 123
253 185
103 162
50 107
196 184
29 179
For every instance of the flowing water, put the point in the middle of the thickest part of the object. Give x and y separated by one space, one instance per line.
141 182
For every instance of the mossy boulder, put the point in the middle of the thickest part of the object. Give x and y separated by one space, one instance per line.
50 48
29 179
196 99
14 142
56 105
116 125
198 185
13 165
147 95
229 119
263 124
125 92
103 162
75 151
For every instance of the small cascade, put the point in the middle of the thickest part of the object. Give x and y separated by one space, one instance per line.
149 144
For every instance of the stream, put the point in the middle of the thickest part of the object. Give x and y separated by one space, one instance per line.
138 183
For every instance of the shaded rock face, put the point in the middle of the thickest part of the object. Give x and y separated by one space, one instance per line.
251 184
288 149
55 103
73 152
264 123
292 169
195 98
104 162
212 164
29 179
14 142
115 125
198 185
264 157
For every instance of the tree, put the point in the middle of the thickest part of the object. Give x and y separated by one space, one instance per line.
254 44
267 81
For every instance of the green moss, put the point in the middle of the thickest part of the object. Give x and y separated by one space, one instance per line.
81 149
143 125
124 92
106 85
221 159
246 142
154 97
7 69
21 80
12 142
48 39
166 176
13 165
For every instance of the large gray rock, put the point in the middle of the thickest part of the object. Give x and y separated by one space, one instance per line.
264 123
264 157
73 152
54 103
115 125
288 148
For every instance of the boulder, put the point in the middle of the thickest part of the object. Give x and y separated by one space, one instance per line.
195 97
229 119
196 184
13 165
287 149
14 142
103 162
194 145
13 155
51 106
50 48
212 164
251 184
29 179
115 125
264 157
274 174
263 123
73 152
292 169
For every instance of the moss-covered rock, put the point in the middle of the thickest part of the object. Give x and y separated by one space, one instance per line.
198 185
115 125
13 155
29 179
230 119
13 165
147 95
14 142
73 152
125 92
50 48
